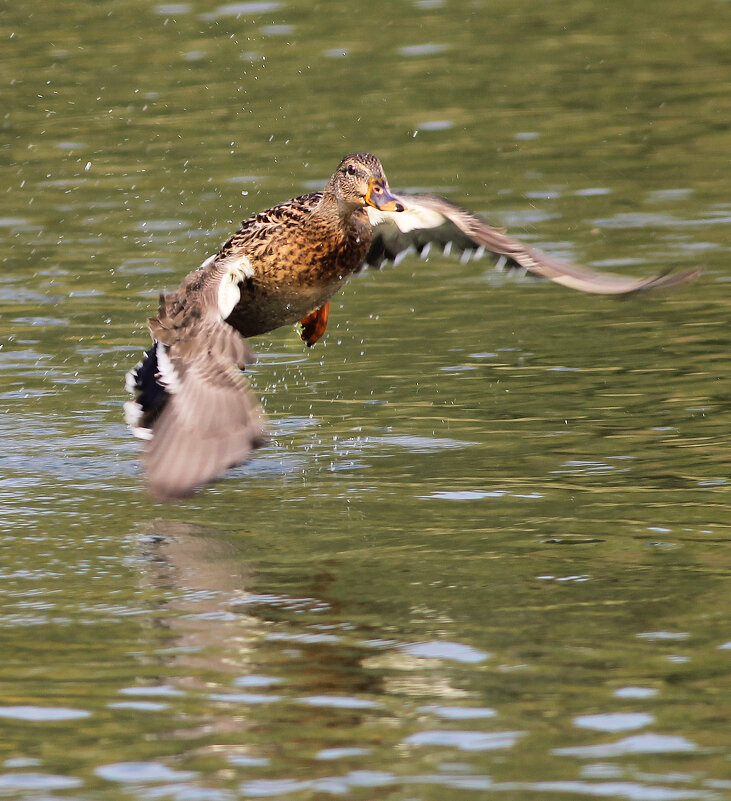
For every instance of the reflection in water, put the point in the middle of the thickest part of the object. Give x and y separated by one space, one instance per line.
260 673
222 633
288 696
204 631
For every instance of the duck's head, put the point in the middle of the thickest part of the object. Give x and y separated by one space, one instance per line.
360 181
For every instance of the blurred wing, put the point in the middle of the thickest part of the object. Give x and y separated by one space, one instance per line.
431 220
211 421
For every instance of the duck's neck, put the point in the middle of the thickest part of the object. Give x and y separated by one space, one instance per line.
337 208
347 225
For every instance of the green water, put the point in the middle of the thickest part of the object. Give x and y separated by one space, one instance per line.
486 553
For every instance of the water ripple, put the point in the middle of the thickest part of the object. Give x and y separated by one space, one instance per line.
629 790
441 649
338 702
142 773
459 712
42 714
243 9
614 721
635 692
245 698
37 782
637 744
466 740
422 50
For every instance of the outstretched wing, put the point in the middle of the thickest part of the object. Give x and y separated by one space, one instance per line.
431 220
191 403
211 420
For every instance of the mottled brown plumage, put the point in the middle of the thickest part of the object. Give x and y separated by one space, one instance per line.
302 250
282 266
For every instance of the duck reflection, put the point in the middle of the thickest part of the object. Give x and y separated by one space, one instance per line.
250 660
266 676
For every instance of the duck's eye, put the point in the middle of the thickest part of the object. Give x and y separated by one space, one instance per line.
351 169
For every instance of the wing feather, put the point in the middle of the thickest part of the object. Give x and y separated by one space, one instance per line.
431 219
211 420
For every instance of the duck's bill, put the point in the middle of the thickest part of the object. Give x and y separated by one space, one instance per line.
379 196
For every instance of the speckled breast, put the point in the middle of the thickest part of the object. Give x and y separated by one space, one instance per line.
298 271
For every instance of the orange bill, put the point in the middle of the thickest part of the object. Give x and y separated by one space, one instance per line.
379 196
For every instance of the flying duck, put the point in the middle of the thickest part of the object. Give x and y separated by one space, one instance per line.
191 402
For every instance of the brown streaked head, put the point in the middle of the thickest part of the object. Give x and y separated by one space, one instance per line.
360 181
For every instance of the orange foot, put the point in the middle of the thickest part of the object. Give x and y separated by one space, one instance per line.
314 325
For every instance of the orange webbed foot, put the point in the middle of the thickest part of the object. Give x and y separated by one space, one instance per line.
314 325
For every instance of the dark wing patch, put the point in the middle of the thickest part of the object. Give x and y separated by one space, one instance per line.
148 395
432 220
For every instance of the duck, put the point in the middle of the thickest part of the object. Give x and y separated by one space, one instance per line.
191 402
